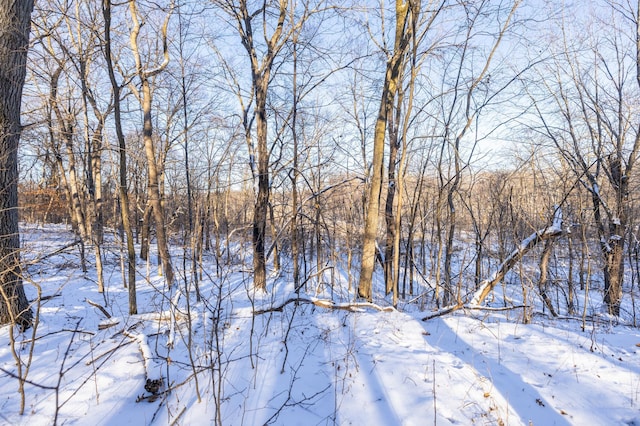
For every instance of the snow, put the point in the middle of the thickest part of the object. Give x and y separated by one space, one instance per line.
556 226
311 363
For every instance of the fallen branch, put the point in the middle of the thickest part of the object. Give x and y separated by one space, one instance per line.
111 322
442 311
326 304
102 309
152 316
49 297
495 309
449 309
53 253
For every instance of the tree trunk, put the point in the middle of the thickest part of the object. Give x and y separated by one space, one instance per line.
262 200
155 199
447 296
145 230
66 126
293 174
570 283
389 276
15 20
544 276
122 187
613 273
274 235
97 217
318 242
153 171
389 91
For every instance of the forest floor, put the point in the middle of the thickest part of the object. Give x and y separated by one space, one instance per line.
303 364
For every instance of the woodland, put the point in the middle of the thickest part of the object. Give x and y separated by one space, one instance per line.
191 186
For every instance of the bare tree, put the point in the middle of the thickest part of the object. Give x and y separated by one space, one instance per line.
144 96
599 133
262 61
277 23
123 191
404 15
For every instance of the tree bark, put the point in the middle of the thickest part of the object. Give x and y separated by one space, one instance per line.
155 198
262 200
15 21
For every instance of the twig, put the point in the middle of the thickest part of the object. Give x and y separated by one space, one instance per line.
175 421
110 351
64 330
15 376
498 309
48 255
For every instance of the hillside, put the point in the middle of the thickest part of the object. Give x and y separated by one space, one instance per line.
302 364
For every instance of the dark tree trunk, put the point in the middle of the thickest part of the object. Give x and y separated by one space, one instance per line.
145 230
262 200
15 20
389 214
614 271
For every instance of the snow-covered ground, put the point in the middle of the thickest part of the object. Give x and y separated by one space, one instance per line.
301 365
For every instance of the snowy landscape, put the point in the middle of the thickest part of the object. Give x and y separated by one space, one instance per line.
320 212
300 364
